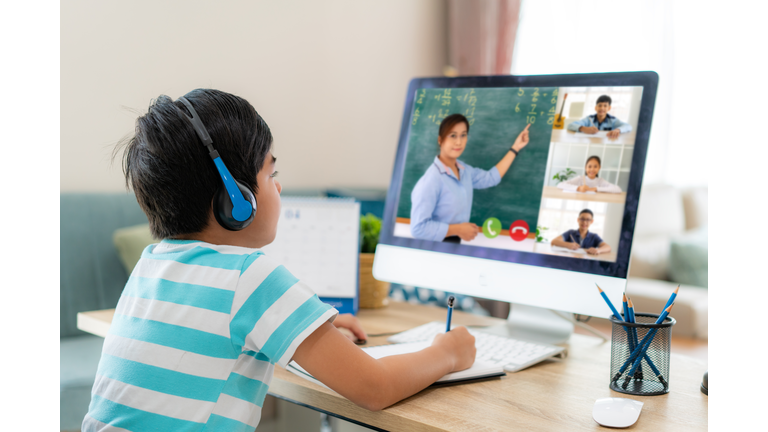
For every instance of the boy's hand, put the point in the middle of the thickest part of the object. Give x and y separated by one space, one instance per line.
522 139
572 245
588 129
350 322
614 134
593 251
460 345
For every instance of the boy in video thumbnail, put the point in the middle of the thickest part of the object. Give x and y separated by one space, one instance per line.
601 121
581 238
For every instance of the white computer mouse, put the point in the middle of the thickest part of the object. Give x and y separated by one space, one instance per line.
616 412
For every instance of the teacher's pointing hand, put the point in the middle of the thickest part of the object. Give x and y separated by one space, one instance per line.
522 139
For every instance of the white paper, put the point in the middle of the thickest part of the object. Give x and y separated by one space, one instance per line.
562 249
599 134
573 191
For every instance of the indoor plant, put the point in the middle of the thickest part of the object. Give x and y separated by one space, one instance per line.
373 293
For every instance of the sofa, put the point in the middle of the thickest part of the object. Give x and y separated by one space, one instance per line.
669 248
91 277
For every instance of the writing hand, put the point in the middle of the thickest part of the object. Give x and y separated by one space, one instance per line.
614 134
522 140
350 322
588 129
572 246
582 188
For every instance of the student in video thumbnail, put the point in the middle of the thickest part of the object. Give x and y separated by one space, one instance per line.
590 182
601 121
441 201
581 238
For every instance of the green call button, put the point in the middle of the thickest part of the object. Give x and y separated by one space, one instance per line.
492 227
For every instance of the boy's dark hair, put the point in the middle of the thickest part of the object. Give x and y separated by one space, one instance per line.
603 98
587 211
449 122
169 169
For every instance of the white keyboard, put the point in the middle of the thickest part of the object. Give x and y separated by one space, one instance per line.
512 354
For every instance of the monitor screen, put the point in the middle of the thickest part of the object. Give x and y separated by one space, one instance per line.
563 198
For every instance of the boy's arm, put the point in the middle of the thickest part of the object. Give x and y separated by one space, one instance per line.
376 384
574 127
621 126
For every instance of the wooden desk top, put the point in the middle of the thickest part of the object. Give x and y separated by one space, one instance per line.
546 248
556 192
553 395
566 136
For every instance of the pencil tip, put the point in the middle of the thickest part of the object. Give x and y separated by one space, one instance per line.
598 287
677 289
624 298
629 303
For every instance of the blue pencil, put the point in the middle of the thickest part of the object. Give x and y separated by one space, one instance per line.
672 297
451 299
646 341
610 305
628 318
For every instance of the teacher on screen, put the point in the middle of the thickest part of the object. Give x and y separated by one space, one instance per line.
441 201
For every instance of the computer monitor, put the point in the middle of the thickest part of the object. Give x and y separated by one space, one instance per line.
543 225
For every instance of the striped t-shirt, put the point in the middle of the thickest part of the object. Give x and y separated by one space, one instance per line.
195 337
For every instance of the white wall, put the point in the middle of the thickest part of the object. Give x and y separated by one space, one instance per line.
328 77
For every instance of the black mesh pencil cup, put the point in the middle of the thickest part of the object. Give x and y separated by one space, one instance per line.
640 355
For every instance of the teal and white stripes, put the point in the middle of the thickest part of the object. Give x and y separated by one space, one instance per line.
195 339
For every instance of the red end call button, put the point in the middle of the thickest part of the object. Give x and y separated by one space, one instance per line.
518 230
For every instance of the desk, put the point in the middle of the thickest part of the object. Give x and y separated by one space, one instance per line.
552 396
566 136
557 193
546 248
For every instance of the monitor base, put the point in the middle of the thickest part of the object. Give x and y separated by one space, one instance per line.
534 324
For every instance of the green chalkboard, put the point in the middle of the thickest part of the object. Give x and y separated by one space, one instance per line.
496 117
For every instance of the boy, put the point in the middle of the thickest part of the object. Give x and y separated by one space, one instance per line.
601 121
205 315
582 238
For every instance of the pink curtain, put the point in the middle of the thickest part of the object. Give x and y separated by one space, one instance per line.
482 35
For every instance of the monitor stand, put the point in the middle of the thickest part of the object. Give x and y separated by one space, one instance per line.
533 324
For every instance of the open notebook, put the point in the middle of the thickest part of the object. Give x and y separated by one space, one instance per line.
477 371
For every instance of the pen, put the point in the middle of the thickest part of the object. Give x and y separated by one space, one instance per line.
451 299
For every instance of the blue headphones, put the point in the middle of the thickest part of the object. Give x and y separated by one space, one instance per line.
234 203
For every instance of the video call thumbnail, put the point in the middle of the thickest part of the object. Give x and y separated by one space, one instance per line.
534 169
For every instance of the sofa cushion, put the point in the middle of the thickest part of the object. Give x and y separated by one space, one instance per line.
650 257
696 205
660 211
130 242
91 275
689 258
690 310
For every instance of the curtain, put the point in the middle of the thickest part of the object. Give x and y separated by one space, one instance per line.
482 35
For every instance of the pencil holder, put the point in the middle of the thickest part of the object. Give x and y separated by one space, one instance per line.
640 355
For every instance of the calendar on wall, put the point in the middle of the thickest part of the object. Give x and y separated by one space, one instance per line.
318 241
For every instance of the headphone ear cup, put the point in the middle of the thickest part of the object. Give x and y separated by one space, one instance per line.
223 207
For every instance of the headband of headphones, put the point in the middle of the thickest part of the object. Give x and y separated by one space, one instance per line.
242 209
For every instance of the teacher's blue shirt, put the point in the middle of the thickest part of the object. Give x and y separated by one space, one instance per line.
440 199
